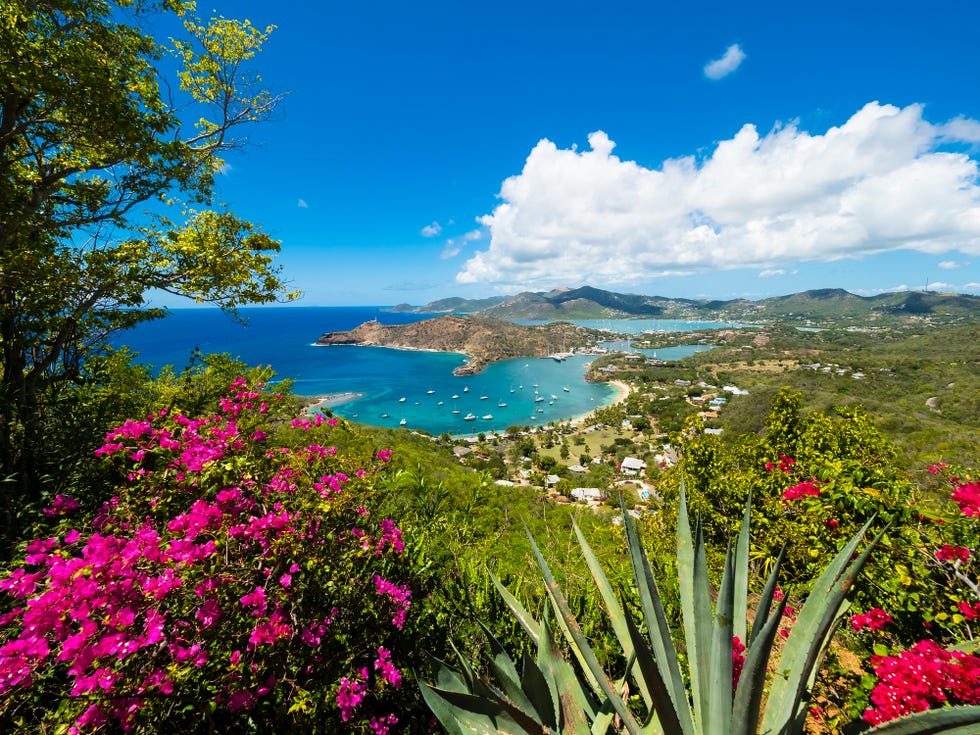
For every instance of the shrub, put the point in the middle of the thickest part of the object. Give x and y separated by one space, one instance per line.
232 583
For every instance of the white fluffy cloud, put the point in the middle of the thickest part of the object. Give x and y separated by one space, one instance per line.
876 183
727 63
951 265
431 230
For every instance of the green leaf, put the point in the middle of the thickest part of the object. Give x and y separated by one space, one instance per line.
658 629
613 608
962 720
580 644
741 601
719 711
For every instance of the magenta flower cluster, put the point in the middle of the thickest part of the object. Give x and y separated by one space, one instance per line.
926 676
874 619
801 489
207 576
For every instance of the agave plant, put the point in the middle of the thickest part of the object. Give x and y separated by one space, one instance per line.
551 694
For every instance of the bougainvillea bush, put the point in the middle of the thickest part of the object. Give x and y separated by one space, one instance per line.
236 580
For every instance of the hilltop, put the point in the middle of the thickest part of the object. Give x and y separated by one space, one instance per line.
483 340
819 307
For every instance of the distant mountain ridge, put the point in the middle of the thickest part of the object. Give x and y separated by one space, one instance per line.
587 302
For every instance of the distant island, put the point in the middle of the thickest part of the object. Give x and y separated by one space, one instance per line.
482 340
820 307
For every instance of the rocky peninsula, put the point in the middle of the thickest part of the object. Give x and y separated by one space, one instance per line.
482 340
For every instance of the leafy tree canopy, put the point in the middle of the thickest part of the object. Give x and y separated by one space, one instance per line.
107 192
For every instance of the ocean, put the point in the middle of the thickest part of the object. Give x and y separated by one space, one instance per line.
385 386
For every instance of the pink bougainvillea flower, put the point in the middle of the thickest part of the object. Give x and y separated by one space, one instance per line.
874 619
967 496
807 487
952 553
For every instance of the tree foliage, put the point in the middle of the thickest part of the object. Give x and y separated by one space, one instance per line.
107 190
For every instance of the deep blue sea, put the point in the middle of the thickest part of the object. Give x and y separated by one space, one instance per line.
284 338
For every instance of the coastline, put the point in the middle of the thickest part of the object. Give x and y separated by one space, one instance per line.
330 400
622 393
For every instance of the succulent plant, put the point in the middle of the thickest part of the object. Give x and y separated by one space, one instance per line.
550 694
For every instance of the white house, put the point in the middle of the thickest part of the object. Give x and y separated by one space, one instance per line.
583 494
632 466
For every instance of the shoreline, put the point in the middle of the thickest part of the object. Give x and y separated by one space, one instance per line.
622 393
329 400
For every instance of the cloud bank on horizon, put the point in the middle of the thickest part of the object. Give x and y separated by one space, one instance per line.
887 179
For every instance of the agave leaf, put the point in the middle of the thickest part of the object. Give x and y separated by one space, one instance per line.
602 722
455 720
508 679
613 608
806 640
695 591
719 710
657 628
539 689
523 616
581 644
752 682
468 674
741 604
575 708
447 678
471 713
765 602
663 704
962 720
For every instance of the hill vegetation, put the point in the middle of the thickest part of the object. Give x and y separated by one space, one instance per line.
198 552
481 339
820 307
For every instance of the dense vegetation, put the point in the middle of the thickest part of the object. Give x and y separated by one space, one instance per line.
195 551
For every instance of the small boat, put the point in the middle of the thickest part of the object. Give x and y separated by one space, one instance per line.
455 410
554 397
402 422
402 399
483 398
440 403
539 399
535 385
540 410
487 417
551 403
511 390
466 389
521 387
455 397
502 404
430 392
385 415
469 417
565 388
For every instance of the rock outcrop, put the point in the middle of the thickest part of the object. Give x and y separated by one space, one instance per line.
482 340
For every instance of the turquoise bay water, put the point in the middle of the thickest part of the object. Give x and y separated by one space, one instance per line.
284 338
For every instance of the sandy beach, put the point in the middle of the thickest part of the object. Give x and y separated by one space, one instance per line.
332 399
622 393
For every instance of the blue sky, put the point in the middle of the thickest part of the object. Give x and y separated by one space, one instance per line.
710 149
